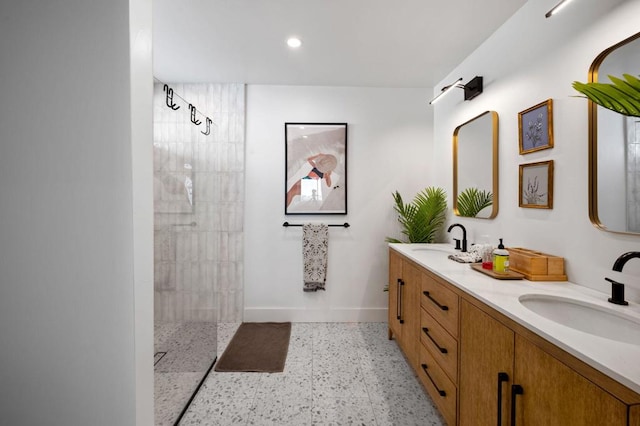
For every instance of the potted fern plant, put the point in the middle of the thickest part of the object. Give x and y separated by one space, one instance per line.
423 218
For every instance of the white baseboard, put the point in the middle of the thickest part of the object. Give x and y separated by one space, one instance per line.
316 315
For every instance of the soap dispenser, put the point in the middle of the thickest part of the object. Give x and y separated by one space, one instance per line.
500 259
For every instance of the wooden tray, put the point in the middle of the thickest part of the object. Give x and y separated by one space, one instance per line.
509 275
536 266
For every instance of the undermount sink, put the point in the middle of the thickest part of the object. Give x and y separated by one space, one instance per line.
433 247
584 316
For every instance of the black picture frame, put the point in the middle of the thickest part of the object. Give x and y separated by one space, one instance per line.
315 168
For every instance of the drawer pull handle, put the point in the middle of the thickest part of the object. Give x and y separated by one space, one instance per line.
425 330
502 378
515 390
401 293
440 391
398 300
443 307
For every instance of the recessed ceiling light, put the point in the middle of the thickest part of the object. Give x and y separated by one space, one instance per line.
294 42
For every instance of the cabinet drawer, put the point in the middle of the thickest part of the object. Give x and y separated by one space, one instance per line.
442 390
440 344
441 303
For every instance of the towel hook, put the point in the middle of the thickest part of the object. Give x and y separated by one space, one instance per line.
169 98
209 121
193 115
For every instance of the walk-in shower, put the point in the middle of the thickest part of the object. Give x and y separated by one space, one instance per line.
198 176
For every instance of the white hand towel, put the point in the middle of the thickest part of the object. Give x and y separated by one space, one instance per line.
472 256
315 245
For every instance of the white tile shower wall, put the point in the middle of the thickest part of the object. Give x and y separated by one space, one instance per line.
199 245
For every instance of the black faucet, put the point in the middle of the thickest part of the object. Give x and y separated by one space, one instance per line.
623 259
464 235
617 289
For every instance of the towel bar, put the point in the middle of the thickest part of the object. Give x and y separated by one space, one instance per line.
344 225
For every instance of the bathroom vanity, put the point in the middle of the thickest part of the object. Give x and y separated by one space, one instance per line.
487 359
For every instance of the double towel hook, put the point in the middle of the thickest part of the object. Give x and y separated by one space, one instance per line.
208 131
169 98
194 120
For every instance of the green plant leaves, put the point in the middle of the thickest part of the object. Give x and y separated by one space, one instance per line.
423 218
471 201
621 96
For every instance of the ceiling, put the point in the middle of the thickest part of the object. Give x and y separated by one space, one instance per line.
376 43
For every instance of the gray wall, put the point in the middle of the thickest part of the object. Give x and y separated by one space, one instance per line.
67 354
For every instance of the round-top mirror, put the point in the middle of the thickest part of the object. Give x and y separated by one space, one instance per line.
614 147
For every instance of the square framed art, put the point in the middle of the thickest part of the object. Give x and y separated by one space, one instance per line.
535 127
536 185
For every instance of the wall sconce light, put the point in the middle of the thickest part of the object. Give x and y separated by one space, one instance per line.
557 8
472 89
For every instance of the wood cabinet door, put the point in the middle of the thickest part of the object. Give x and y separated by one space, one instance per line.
634 415
395 275
554 394
410 313
486 350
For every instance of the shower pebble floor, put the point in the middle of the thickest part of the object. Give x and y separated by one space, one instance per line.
335 374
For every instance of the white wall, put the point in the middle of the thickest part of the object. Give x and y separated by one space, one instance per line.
141 99
69 216
389 148
527 61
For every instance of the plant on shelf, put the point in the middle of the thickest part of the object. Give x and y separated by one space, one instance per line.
472 200
621 96
423 218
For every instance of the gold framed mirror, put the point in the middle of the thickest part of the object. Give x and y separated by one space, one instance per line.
614 147
475 167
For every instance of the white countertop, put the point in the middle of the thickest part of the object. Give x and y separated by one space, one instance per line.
620 361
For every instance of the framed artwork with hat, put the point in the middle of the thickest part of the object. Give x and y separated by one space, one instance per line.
315 168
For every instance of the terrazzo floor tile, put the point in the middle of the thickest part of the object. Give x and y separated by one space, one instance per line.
301 366
218 412
323 361
387 380
230 385
335 374
190 347
163 331
287 386
406 410
342 411
184 353
276 412
339 382
172 392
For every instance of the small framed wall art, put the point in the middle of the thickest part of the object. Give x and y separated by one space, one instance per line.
315 168
535 127
536 185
